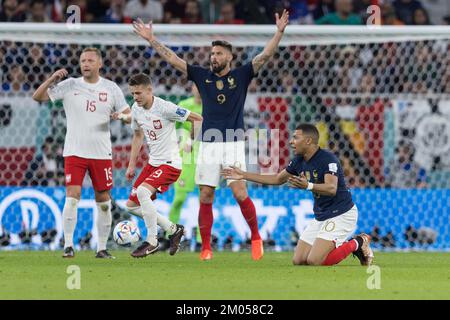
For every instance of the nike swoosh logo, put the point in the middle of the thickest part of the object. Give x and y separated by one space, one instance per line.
208 81
76 93
109 184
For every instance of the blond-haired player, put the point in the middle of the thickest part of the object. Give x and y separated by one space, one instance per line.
89 102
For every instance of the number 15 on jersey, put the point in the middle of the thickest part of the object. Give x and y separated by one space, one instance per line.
90 105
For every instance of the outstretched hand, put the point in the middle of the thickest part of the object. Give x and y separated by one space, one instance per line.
233 173
143 30
282 21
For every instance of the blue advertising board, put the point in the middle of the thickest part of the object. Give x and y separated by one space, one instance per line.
281 212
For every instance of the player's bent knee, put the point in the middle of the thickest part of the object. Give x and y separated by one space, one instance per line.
204 198
143 193
73 193
102 196
299 262
131 204
207 195
132 208
313 262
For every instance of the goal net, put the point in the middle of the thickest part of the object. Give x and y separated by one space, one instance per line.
380 97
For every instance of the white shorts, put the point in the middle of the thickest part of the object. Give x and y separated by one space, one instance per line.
337 229
214 156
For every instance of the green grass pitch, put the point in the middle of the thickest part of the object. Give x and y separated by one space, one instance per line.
43 275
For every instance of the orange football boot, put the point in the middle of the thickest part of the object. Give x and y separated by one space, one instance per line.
257 249
206 254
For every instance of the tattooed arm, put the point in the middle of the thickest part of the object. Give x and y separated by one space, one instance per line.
146 32
270 48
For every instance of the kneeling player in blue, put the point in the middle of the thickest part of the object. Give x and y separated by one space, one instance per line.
324 241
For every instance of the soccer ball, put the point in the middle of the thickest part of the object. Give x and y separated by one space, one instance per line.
126 233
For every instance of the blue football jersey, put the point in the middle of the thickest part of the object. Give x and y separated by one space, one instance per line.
321 163
223 101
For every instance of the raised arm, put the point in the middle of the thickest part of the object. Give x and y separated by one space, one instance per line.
146 32
272 45
271 179
41 94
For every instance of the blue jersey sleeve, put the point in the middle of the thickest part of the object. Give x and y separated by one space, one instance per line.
196 73
247 72
331 165
292 167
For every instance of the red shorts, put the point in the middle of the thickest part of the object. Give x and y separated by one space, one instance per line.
100 171
159 178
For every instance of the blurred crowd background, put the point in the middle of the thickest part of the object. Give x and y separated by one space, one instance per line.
329 12
356 93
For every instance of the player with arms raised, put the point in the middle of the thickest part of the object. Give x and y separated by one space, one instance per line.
89 102
154 119
223 91
324 240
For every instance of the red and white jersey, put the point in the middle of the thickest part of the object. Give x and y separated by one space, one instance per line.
88 108
158 125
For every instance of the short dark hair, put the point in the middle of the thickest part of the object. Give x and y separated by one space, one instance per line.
222 43
140 79
310 130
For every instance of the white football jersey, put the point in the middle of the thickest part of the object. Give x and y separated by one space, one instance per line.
88 108
158 125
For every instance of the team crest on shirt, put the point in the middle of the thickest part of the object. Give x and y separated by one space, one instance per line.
68 178
315 175
157 124
231 82
103 96
219 84
308 175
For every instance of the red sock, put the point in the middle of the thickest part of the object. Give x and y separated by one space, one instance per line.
339 254
249 213
205 222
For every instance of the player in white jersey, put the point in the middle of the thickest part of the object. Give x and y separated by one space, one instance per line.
89 102
154 119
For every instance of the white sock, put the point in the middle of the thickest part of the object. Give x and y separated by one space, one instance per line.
162 221
69 220
149 214
137 211
104 220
